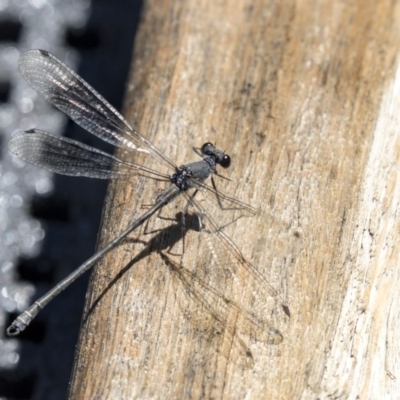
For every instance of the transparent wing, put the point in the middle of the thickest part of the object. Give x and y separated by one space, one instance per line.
234 278
232 208
69 157
223 309
206 309
62 87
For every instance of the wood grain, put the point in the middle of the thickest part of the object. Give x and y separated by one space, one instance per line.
305 96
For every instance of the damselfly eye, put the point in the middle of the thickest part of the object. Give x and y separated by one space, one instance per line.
206 149
225 161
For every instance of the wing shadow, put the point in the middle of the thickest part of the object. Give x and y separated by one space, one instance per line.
229 320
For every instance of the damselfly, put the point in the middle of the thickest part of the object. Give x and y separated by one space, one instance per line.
72 95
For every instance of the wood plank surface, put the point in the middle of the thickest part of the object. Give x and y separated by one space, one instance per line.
305 97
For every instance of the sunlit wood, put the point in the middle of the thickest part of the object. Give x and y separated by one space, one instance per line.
305 97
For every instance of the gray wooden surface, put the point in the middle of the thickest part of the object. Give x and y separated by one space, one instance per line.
305 97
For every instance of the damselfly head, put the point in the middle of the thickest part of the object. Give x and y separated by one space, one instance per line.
208 149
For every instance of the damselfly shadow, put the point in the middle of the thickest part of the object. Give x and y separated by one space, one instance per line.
214 313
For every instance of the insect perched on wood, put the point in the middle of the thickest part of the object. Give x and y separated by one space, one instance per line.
215 287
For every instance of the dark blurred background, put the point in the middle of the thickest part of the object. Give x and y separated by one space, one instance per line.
71 213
